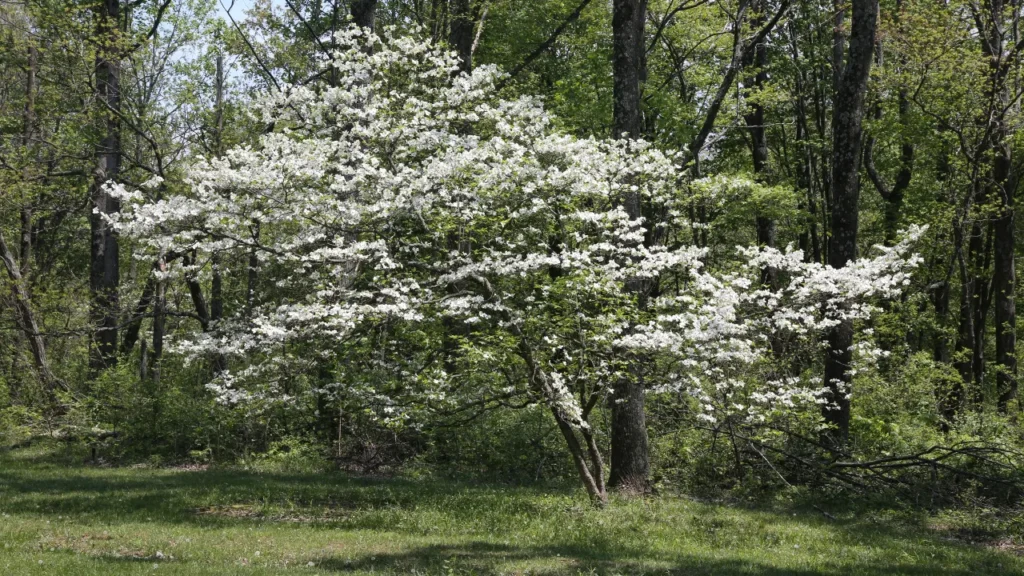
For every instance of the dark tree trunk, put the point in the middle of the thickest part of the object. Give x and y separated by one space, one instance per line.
364 13
159 322
216 283
134 325
978 251
460 32
757 57
1004 281
26 318
838 44
195 290
216 288
1002 186
252 271
848 116
627 60
104 272
29 121
630 465
809 241
893 195
965 328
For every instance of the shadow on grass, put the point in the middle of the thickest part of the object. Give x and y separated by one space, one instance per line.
226 496
493 559
559 533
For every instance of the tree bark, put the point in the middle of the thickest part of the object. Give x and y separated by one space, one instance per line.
364 13
104 272
159 321
460 33
252 271
29 120
216 283
740 47
893 195
134 325
847 121
1004 281
216 289
630 465
757 57
810 242
1002 187
26 318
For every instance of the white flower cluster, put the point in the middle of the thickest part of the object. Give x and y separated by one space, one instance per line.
718 332
407 193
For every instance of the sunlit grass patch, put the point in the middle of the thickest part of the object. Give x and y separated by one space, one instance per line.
62 517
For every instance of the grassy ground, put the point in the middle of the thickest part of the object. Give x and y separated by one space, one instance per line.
75 520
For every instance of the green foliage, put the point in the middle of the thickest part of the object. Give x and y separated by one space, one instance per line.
520 447
366 415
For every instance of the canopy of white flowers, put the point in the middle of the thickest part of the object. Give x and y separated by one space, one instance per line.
410 198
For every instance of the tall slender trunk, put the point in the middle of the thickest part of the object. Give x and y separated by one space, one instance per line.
216 282
893 195
838 43
965 328
216 288
26 318
630 465
1004 280
460 32
950 400
252 271
29 121
159 320
977 269
847 120
809 242
757 58
104 272
1002 185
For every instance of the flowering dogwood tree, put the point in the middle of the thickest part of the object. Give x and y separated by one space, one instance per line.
442 247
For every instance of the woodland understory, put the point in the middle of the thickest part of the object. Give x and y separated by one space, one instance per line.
702 247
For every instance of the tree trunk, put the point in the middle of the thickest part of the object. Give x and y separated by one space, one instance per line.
1004 281
848 116
134 325
216 283
216 288
965 328
364 13
195 290
838 44
978 250
460 33
26 318
104 273
810 243
29 121
159 321
1001 189
630 466
893 195
757 57
252 272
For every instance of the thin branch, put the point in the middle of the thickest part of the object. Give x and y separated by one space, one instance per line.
546 45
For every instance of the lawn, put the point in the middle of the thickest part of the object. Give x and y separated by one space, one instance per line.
73 519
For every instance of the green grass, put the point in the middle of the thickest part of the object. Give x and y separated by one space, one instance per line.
72 520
